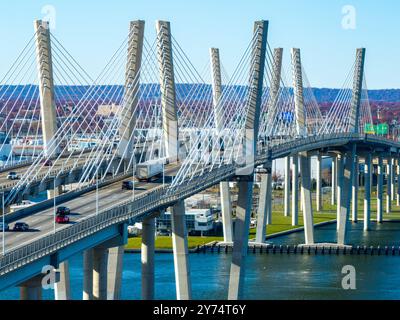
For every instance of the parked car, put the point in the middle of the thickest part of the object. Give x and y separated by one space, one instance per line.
21 226
13 176
6 227
127 185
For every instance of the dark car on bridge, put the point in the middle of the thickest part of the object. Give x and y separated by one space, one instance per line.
47 163
63 211
13 176
21 227
127 185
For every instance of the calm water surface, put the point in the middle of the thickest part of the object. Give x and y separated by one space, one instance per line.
271 276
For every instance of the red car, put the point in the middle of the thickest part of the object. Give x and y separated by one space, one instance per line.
62 219
62 215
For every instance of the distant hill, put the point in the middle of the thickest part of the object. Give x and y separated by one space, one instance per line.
323 95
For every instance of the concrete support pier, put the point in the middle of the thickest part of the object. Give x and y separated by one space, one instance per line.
31 289
264 214
62 289
345 195
148 247
88 275
334 180
305 169
319 183
100 263
241 239
295 190
181 252
398 184
115 268
389 185
226 203
379 191
367 194
339 186
287 188
354 192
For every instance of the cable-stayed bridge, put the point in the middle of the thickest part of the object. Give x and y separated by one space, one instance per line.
78 138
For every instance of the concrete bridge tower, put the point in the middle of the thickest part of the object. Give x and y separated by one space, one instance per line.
351 159
245 184
226 204
46 86
132 83
264 214
168 95
304 158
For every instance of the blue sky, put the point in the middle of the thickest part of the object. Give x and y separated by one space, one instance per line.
92 30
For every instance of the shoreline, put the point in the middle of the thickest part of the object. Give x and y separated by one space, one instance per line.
271 236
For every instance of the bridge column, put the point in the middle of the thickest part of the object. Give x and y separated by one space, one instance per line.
392 178
334 180
244 205
31 289
354 188
389 185
264 214
379 191
148 247
168 95
181 252
225 194
287 187
305 170
345 194
46 87
339 187
367 194
132 83
319 183
88 274
62 289
115 268
398 183
100 260
295 190
241 238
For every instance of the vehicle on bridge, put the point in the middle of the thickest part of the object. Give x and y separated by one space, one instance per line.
127 185
22 205
13 176
47 163
21 227
62 216
148 170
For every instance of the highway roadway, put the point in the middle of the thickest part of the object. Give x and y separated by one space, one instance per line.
42 223
21 171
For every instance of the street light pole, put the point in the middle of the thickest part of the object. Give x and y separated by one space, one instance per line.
133 178
4 225
97 194
55 204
